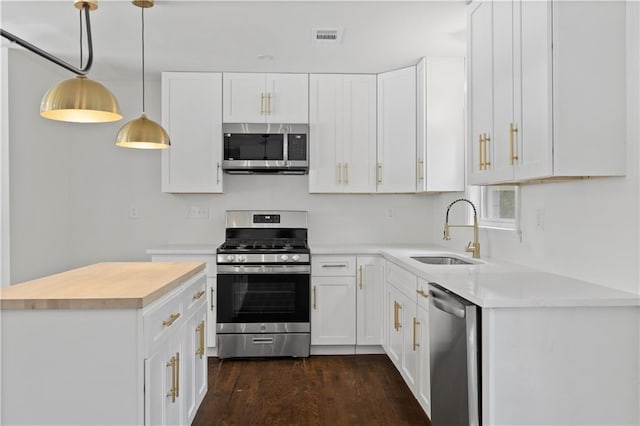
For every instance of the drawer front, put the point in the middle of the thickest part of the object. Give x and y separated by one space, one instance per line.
194 295
403 280
333 266
210 260
423 294
163 319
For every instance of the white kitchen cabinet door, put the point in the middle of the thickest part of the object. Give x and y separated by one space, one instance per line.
195 359
396 170
480 90
423 388
409 342
359 134
440 124
333 311
163 405
395 315
287 98
266 98
326 134
369 295
342 126
192 115
245 98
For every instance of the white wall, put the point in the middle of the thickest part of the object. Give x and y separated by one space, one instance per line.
590 228
72 190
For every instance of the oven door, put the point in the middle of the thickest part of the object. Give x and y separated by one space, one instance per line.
263 299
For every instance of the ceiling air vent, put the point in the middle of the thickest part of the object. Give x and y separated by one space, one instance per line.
327 35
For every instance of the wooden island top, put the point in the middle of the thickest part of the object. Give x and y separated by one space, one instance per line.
109 285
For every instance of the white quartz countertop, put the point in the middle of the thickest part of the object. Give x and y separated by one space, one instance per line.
490 284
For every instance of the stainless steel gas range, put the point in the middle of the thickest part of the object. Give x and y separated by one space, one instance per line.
263 285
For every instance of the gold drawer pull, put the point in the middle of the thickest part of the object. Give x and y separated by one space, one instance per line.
379 173
422 293
269 103
261 103
361 274
177 374
198 295
171 320
339 173
415 326
200 331
346 173
172 392
315 298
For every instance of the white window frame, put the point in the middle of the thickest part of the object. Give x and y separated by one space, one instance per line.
477 196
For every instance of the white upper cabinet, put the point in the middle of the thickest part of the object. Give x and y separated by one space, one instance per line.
440 124
396 170
342 127
547 93
192 115
266 98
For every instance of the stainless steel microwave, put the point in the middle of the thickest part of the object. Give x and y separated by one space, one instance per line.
284 153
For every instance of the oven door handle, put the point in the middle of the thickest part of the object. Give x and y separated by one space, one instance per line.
264 269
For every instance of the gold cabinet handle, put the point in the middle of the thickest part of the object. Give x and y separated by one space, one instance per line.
487 139
395 315
177 374
481 151
513 129
415 326
339 173
269 103
361 275
172 392
171 320
315 298
198 295
422 293
346 173
379 172
420 171
261 103
200 332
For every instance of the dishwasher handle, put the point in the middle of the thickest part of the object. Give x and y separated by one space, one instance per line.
446 302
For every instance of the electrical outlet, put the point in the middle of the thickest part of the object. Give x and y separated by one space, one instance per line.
133 212
196 212
390 213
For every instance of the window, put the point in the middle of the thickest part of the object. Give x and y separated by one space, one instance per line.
497 206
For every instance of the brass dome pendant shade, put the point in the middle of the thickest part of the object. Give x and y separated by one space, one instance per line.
78 99
143 133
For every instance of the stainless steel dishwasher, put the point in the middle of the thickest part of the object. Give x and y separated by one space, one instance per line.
454 326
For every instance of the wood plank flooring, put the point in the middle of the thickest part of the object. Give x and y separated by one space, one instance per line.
320 390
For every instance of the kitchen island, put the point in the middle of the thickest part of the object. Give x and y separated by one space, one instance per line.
110 343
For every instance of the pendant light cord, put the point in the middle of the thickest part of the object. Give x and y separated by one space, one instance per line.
80 14
143 91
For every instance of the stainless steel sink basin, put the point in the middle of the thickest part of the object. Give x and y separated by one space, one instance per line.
442 260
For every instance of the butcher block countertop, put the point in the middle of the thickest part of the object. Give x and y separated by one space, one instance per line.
113 285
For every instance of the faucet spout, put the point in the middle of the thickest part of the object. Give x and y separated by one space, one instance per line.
472 247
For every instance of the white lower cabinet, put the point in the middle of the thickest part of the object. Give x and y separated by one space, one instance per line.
407 332
195 362
162 406
333 311
346 300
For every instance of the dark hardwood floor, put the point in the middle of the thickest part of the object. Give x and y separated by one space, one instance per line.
320 390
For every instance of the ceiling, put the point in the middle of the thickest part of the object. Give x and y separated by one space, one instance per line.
214 35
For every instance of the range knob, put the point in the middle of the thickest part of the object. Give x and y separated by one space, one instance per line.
230 258
241 258
295 258
284 257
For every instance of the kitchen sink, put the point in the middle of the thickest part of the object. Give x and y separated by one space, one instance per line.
443 260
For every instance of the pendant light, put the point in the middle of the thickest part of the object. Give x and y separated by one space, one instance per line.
142 132
78 99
